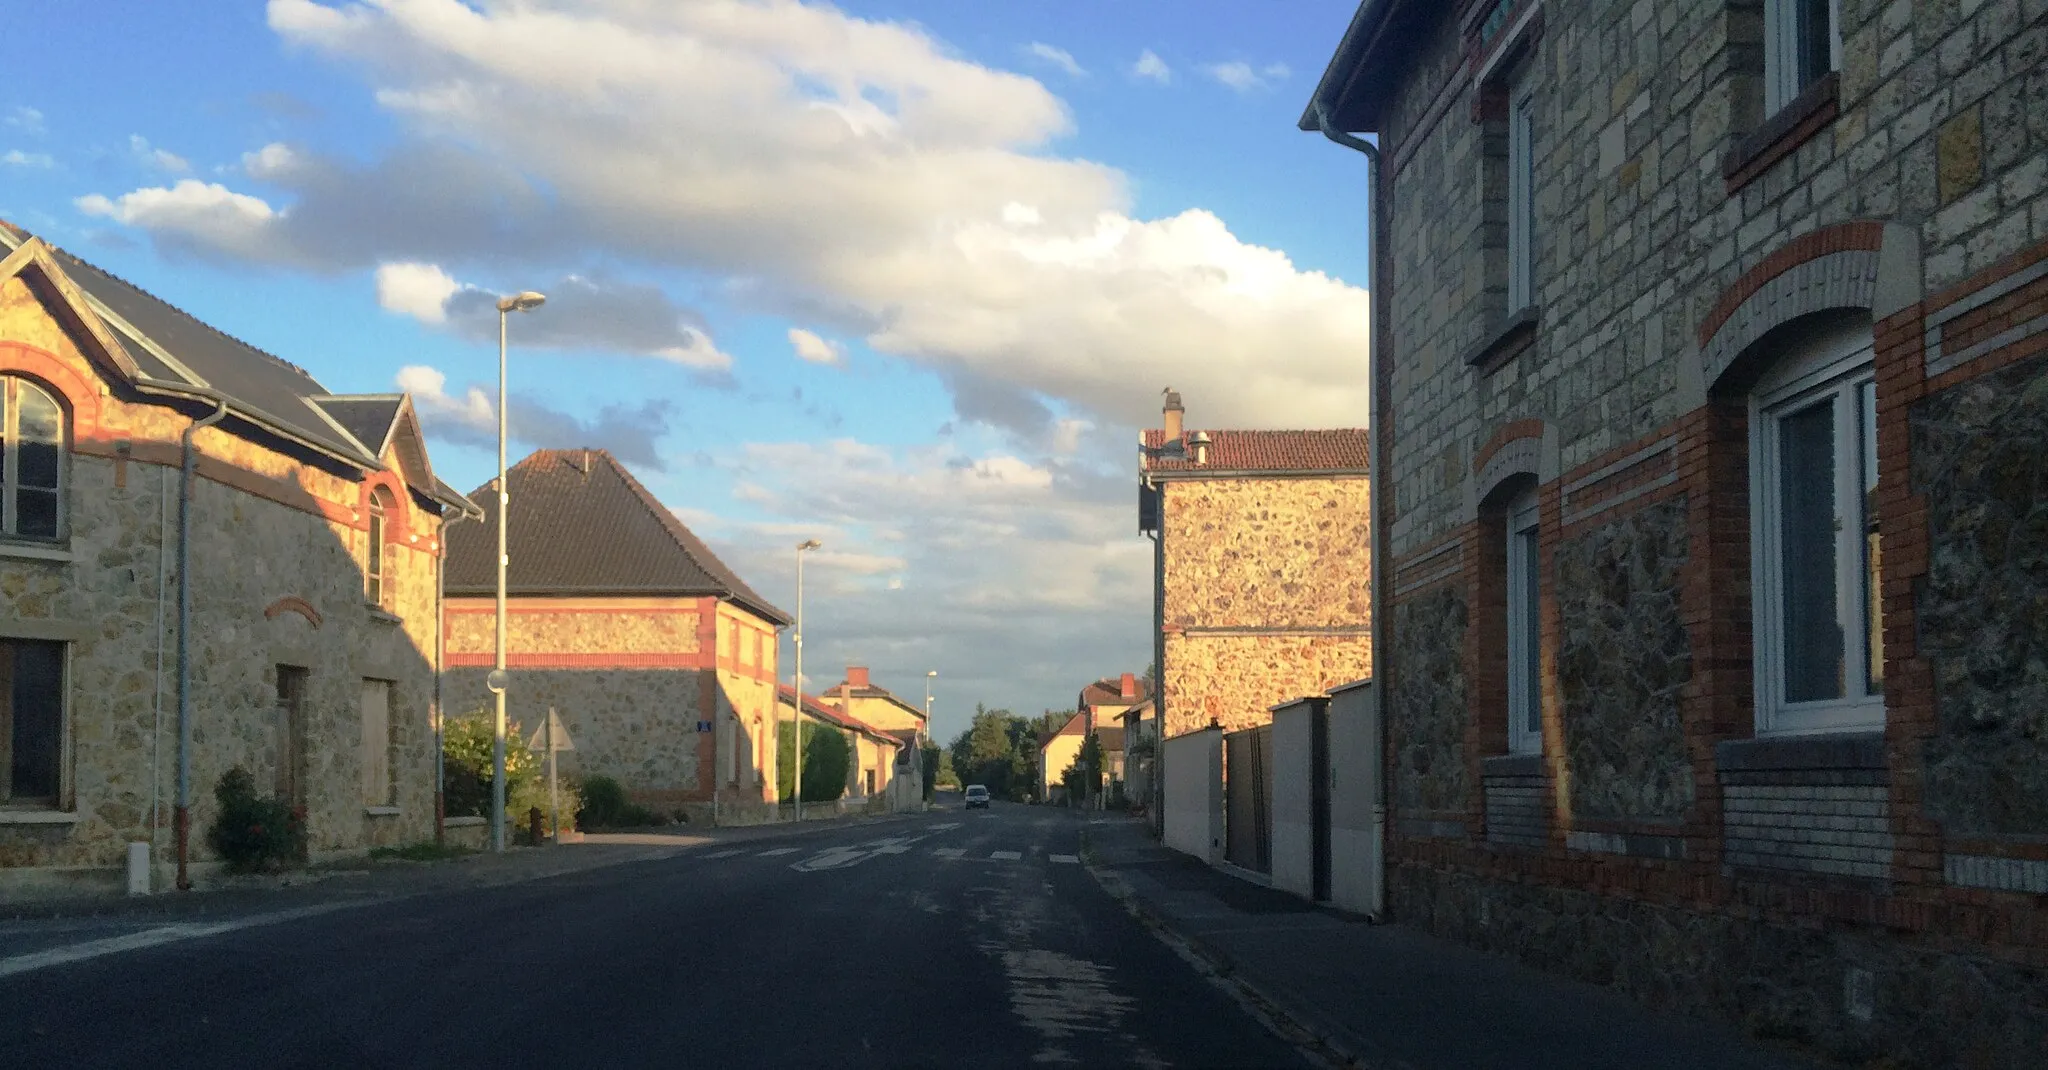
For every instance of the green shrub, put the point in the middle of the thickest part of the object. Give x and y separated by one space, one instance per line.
827 757
466 772
254 833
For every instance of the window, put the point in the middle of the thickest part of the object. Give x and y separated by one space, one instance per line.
1525 586
871 782
380 743
33 504
31 722
377 585
1819 629
1521 204
1802 43
291 705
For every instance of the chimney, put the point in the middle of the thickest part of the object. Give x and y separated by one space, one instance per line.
1172 414
1130 683
857 676
1201 443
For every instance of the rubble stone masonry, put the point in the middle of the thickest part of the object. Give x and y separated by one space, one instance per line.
1870 893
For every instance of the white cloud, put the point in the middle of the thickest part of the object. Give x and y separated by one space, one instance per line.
1150 66
469 417
815 349
1058 57
429 389
158 158
25 119
696 350
198 216
272 161
1240 76
417 290
18 158
857 172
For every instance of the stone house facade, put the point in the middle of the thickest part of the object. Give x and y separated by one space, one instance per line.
872 771
879 708
314 528
1261 558
660 659
1710 382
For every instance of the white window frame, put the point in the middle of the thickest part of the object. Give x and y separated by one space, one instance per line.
377 552
1838 365
1521 202
1782 81
1524 587
10 461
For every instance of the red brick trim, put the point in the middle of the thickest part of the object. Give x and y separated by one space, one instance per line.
1859 236
516 605
292 603
528 660
2011 264
79 396
1504 434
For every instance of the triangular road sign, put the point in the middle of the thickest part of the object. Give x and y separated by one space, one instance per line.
561 733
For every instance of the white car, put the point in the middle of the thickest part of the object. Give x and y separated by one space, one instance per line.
977 797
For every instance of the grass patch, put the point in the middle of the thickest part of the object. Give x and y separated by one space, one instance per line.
423 851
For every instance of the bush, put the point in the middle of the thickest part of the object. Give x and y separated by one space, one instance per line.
605 807
827 757
254 833
466 772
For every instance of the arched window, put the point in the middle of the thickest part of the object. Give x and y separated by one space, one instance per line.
35 434
377 586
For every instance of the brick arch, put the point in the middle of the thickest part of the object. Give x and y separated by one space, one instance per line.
398 520
1864 264
292 603
79 396
1524 447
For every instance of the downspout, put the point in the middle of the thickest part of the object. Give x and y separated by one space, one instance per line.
441 670
1375 497
156 695
1159 670
184 811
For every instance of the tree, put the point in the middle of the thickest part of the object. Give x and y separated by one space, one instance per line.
826 760
946 777
932 757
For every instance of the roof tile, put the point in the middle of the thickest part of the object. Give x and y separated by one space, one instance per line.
1337 449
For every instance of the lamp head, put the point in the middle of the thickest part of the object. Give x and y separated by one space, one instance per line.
523 301
808 544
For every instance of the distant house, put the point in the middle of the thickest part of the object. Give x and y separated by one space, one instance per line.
880 708
313 522
872 771
1058 750
1101 706
660 659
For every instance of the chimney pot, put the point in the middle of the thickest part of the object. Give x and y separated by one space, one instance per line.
1201 442
1172 414
857 676
1130 683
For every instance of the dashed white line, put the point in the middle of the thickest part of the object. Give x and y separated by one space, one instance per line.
944 827
1005 856
167 934
950 852
1065 858
777 851
728 853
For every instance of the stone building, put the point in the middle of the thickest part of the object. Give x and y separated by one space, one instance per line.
871 773
1102 706
661 660
879 708
1262 552
1710 387
314 538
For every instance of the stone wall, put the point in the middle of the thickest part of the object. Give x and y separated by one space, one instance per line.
1267 553
472 628
1426 710
1978 458
637 726
1236 679
276 579
1623 662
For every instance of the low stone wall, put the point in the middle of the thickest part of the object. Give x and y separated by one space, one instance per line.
471 832
1854 993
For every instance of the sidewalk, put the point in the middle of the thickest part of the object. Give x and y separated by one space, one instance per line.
1388 995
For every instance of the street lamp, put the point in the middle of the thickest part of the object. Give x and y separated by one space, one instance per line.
928 678
524 301
797 762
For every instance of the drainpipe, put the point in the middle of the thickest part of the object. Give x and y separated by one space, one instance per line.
184 811
441 670
1158 785
1375 463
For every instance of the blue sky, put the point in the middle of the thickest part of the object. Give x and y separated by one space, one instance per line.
1003 229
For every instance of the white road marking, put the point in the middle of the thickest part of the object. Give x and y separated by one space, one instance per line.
777 851
728 853
892 849
1005 856
163 934
1065 858
944 827
950 852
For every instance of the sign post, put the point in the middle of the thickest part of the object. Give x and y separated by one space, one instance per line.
551 738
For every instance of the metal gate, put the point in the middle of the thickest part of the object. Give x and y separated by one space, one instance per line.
1248 798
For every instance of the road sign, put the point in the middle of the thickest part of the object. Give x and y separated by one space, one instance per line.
703 726
553 727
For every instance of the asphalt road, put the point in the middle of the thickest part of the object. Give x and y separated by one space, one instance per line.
952 939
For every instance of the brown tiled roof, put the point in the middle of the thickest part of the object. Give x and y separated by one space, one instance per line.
1336 450
872 691
1112 738
1110 692
835 715
582 525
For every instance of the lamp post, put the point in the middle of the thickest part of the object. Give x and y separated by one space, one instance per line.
797 762
524 301
928 678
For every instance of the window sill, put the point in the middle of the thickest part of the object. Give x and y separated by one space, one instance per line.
38 551
1796 123
383 616
38 817
1508 341
1843 750
381 811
